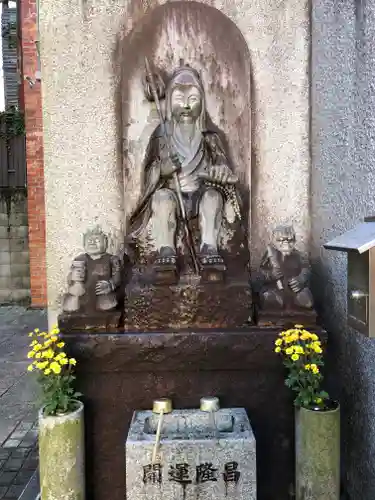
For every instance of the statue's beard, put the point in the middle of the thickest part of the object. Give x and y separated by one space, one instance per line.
186 132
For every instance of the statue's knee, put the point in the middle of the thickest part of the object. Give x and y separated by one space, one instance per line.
212 197
163 198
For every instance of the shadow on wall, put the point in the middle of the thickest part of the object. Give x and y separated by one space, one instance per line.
189 33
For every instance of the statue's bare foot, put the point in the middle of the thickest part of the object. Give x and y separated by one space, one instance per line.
167 257
165 266
210 256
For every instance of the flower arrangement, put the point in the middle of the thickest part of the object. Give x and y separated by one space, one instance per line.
303 357
55 372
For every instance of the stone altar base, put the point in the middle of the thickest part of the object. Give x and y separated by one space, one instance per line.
187 305
287 319
95 321
119 373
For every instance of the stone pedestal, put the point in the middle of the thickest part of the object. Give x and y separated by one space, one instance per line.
119 373
198 459
191 305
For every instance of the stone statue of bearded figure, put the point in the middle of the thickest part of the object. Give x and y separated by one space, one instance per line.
206 180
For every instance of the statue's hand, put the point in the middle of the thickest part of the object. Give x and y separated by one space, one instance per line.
295 285
220 174
170 165
103 288
277 274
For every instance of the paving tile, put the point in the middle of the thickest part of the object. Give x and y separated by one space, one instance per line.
4 454
6 478
20 453
31 463
23 477
13 464
3 490
18 435
11 443
14 492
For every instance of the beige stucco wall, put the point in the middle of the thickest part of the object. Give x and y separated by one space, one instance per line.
81 78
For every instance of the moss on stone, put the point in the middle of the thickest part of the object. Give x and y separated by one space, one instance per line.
317 454
61 449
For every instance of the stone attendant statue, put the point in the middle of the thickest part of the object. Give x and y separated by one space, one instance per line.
285 274
206 181
94 278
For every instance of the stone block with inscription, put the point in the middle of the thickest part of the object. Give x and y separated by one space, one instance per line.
201 456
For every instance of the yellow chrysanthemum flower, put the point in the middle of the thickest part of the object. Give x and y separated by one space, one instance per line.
63 361
47 343
295 357
36 330
31 334
55 367
60 344
30 368
314 368
278 342
299 349
314 336
30 354
42 365
47 371
289 350
307 367
54 338
38 355
277 349
49 354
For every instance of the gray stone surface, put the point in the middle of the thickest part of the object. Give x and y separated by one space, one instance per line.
195 460
343 187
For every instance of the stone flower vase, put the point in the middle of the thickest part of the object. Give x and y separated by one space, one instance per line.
61 456
318 453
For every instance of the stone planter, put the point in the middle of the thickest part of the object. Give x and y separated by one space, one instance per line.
61 456
318 454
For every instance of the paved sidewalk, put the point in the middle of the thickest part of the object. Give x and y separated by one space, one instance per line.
18 400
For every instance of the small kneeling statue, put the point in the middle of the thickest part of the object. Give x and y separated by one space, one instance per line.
94 277
285 274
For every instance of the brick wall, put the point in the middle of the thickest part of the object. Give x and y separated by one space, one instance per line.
32 102
14 255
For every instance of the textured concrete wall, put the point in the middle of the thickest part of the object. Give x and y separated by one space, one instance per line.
343 187
83 170
14 254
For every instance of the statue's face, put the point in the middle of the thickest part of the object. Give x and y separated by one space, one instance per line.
186 103
285 243
95 244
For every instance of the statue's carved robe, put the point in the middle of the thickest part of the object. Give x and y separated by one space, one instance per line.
209 152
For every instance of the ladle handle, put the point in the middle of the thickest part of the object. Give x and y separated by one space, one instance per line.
157 439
